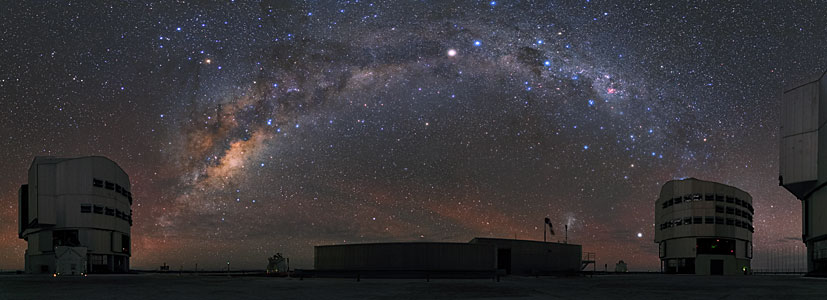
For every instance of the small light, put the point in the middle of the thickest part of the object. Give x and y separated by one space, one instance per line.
452 52
54 275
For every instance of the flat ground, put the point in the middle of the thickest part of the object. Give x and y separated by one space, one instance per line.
627 286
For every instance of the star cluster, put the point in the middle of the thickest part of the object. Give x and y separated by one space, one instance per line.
250 128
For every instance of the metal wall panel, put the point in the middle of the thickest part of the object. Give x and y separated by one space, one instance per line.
406 257
799 139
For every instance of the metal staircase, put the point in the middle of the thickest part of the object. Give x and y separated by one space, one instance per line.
588 259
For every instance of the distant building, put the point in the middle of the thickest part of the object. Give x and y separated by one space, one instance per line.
803 163
481 257
75 214
704 227
621 267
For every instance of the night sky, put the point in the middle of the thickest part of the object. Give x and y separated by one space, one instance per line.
250 128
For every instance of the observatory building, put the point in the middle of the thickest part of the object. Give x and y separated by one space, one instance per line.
480 257
704 228
803 163
75 215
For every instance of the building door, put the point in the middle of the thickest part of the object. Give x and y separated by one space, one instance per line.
716 267
504 260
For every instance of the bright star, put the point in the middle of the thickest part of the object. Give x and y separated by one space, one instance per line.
477 43
452 52
640 234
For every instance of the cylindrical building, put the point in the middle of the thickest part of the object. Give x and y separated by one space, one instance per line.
75 214
704 227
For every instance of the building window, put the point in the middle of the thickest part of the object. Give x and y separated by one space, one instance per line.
738 202
86 208
118 214
687 198
687 220
709 220
730 222
719 220
97 259
110 211
730 200
709 197
730 210
98 209
719 198
698 220
117 188
738 223
719 209
97 182
677 200
110 186
67 238
678 222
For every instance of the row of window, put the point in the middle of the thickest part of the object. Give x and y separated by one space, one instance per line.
707 220
102 210
733 211
112 186
708 197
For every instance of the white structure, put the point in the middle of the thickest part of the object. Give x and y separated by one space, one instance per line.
801 170
704 227
70 260
81 204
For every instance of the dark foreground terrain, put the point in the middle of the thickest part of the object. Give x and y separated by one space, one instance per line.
631 286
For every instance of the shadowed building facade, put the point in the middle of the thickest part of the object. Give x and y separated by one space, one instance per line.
801 170
75 215
704 227
481 257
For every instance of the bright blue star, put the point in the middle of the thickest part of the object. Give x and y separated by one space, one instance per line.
547 63
297 125
269 121
177 28
492 3
585 147
591 102
539 42
477 43
575 77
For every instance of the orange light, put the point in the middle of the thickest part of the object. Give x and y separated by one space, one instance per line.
54 275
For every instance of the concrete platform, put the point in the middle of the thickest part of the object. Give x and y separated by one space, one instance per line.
631 286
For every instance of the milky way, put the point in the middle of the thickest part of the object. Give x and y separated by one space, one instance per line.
249 128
